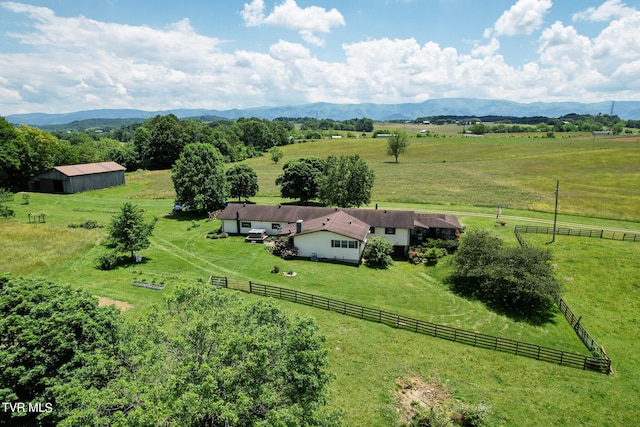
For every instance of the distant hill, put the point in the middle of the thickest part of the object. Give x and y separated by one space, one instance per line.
627 110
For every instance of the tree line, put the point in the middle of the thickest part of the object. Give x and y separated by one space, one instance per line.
202 182
155 143
582 122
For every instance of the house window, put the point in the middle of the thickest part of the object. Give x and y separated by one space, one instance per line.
345 244
275 226
389 230
335 243
352 244
245 224
372 230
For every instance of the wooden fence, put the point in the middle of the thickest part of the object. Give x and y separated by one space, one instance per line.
398 321
591 344
584 335
520 238
601 234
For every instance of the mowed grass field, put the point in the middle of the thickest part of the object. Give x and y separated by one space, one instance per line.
601 278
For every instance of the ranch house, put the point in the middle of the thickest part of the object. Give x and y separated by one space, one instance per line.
337 233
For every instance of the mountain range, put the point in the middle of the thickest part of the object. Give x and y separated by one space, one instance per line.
626 110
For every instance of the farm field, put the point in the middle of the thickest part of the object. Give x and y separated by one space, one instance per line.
598 177
602 278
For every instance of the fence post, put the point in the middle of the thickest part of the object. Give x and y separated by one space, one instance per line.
250 287
226 282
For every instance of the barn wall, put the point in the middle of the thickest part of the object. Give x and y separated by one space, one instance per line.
96 181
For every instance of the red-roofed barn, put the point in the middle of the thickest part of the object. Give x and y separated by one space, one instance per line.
76 178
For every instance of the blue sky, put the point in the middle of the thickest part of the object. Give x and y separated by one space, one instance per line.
67 55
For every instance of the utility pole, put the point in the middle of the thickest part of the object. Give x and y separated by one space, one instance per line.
555 215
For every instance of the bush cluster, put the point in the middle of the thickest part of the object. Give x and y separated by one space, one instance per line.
463 414
217 235
431 250
378 252
107 261
89 225
284 248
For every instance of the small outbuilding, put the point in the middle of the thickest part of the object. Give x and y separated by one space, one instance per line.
76 178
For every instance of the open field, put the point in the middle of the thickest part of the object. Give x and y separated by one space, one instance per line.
602 278
599 178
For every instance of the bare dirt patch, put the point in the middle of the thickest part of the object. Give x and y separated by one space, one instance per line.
424 394
120 305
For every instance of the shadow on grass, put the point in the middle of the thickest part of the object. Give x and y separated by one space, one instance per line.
186 216
537 312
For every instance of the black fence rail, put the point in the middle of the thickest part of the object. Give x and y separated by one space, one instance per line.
520 238
398 321
601 234
584 335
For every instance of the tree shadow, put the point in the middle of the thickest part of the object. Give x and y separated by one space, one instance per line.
186 216
533 315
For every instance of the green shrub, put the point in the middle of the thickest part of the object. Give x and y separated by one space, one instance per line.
378 252
518 282
107 261
433 417
450 246
89 225
474 415
284 248
5 212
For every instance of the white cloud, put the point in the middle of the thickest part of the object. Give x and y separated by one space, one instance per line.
610 9
79 63
486 50
308 21
524 17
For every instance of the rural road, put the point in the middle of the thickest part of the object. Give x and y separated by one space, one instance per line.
537 220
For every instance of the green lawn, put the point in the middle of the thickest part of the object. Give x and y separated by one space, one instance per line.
601 277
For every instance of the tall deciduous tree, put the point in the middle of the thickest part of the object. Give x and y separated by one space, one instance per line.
199 177
397 143
160 140
51 337
15 155
128 230
299 178
215 360
276 154
346 182
519 282
242 180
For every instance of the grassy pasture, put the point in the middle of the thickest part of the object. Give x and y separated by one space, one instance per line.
598 178
601 279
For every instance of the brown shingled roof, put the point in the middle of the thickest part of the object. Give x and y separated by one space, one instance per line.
338 222
292 213
437 221
89 168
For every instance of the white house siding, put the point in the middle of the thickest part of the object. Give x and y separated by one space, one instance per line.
401 238
319 243
231 226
